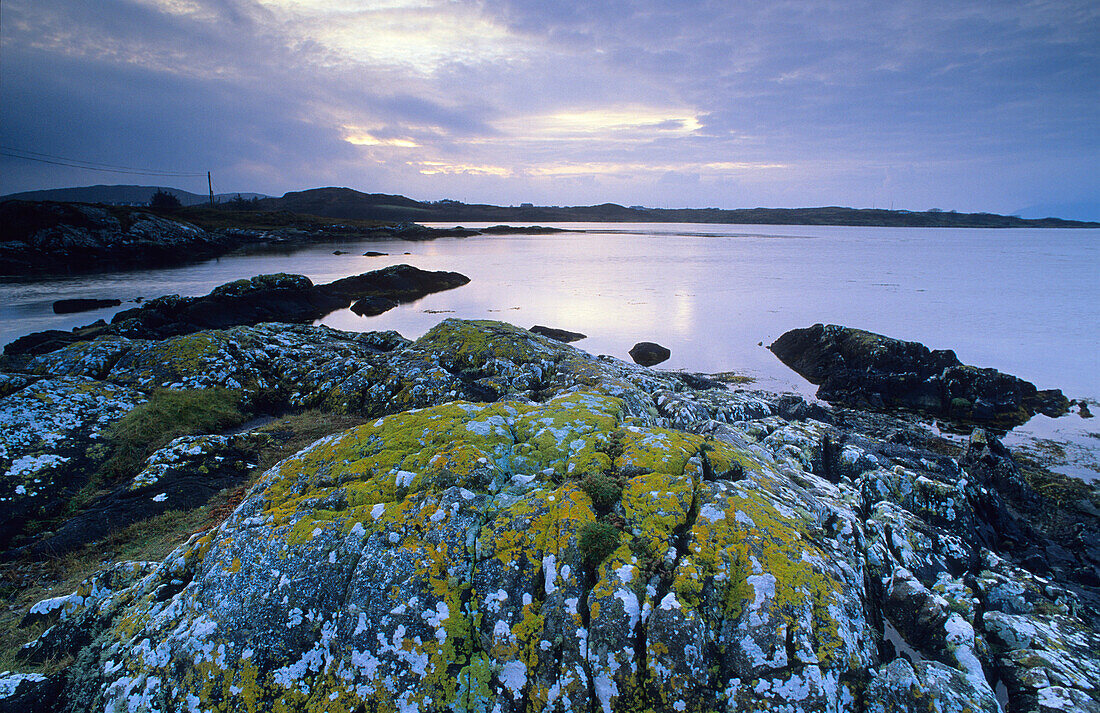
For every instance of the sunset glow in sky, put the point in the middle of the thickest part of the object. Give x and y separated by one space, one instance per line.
962 104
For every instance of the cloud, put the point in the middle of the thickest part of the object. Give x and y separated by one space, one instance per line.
692 103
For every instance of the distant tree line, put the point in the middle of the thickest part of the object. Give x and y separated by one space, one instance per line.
239 203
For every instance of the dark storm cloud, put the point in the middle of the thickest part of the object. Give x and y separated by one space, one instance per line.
692 103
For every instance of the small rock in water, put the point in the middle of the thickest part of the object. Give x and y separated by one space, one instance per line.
82 305
370 306
338 252
648 353
562 335
375 253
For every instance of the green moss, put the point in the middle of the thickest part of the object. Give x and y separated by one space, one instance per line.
604 490
597 540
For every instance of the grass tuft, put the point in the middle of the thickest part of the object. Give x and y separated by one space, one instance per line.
605 491
597 541
166 415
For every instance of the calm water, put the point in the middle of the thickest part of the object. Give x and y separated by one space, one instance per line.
1025 301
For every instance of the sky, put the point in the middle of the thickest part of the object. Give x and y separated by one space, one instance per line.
957 104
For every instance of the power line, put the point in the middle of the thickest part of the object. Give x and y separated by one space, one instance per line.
79 160
91 165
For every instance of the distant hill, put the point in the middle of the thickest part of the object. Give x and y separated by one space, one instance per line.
347 203
121 195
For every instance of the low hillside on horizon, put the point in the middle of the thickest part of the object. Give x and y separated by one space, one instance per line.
350 204
124 195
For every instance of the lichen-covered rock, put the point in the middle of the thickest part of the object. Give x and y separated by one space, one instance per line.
49 432
93 359
1045 655
432 560
906 687
592 536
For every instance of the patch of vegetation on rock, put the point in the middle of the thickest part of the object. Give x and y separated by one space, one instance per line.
604 490
597 541
166 415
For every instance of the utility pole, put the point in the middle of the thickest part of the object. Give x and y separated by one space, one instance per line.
210 185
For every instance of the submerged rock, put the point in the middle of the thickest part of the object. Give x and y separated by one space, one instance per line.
82 305
562 335
864 369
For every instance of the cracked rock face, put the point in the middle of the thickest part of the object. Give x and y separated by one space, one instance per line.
49 430
433 557
441 557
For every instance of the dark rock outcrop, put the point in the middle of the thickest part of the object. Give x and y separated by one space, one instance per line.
181 476
863 369
371 306
74 236
562 335
264 298
82 305
22 692
648 353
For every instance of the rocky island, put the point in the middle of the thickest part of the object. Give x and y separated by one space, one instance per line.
50 236
488 519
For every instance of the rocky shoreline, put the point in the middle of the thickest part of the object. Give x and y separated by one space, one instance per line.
486 518
862 369
51 237
264 298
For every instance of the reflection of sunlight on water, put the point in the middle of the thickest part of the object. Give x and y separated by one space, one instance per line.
683 317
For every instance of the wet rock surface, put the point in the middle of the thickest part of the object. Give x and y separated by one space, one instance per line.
562 335
649 353
863 369
525 527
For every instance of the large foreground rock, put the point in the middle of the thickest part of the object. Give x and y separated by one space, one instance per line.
859 368
592 535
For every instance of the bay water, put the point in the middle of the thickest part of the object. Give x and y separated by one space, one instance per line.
1024 301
